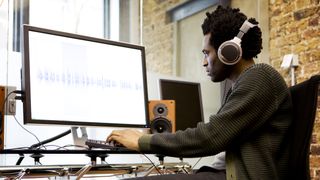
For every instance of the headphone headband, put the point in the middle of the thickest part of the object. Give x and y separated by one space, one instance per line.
245 28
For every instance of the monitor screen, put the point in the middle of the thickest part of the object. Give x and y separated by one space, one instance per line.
187 96
71 79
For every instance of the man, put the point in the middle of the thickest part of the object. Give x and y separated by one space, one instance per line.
248 134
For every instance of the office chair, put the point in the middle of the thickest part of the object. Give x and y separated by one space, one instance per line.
304 99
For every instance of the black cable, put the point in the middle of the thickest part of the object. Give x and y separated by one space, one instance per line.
185 171
152 163
57 146
41 143
18 148
19 97
27 130
3 108
73 145
18 91
196 163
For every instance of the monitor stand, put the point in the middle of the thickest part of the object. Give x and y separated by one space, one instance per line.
79 137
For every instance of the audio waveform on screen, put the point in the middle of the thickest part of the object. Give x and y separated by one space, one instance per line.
75 79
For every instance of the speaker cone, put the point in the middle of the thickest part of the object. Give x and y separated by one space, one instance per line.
160 125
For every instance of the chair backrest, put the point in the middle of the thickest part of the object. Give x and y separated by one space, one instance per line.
304 99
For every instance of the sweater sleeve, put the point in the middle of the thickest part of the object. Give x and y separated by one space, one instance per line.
254 99
144 142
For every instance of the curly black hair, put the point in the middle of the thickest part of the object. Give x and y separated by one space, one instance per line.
224 24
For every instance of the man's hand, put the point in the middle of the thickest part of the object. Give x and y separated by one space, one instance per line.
127 137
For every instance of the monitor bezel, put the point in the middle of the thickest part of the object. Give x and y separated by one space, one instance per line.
198 84
25 79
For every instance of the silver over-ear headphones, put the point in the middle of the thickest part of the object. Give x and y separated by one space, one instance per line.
230 52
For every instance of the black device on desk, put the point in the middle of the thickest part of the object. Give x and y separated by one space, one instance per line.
92 143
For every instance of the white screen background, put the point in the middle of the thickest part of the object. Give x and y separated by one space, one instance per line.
85 81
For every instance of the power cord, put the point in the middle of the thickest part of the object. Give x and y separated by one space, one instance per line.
29 132
196 163
18 98
40 143
72 145
152 164
50 139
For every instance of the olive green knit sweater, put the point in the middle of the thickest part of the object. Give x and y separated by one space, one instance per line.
251 127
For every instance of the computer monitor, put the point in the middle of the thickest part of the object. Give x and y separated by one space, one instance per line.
187 96
76 80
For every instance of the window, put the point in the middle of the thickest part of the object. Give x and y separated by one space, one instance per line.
111 19
77 16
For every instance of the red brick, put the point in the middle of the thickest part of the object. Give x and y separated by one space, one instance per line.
304 13
305 21
315 150
314 161
314 21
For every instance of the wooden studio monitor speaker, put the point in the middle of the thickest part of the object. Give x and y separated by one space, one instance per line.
162 116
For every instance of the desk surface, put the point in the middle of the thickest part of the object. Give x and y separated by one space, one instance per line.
32 171
43 171
58 170
75 151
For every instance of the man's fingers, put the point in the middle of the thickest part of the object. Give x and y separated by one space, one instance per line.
114 136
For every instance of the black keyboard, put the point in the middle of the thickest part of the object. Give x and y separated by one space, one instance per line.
92 143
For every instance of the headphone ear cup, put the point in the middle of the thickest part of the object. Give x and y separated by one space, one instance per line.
230 52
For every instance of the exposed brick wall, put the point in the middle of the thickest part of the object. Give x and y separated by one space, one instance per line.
158 35
295 28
